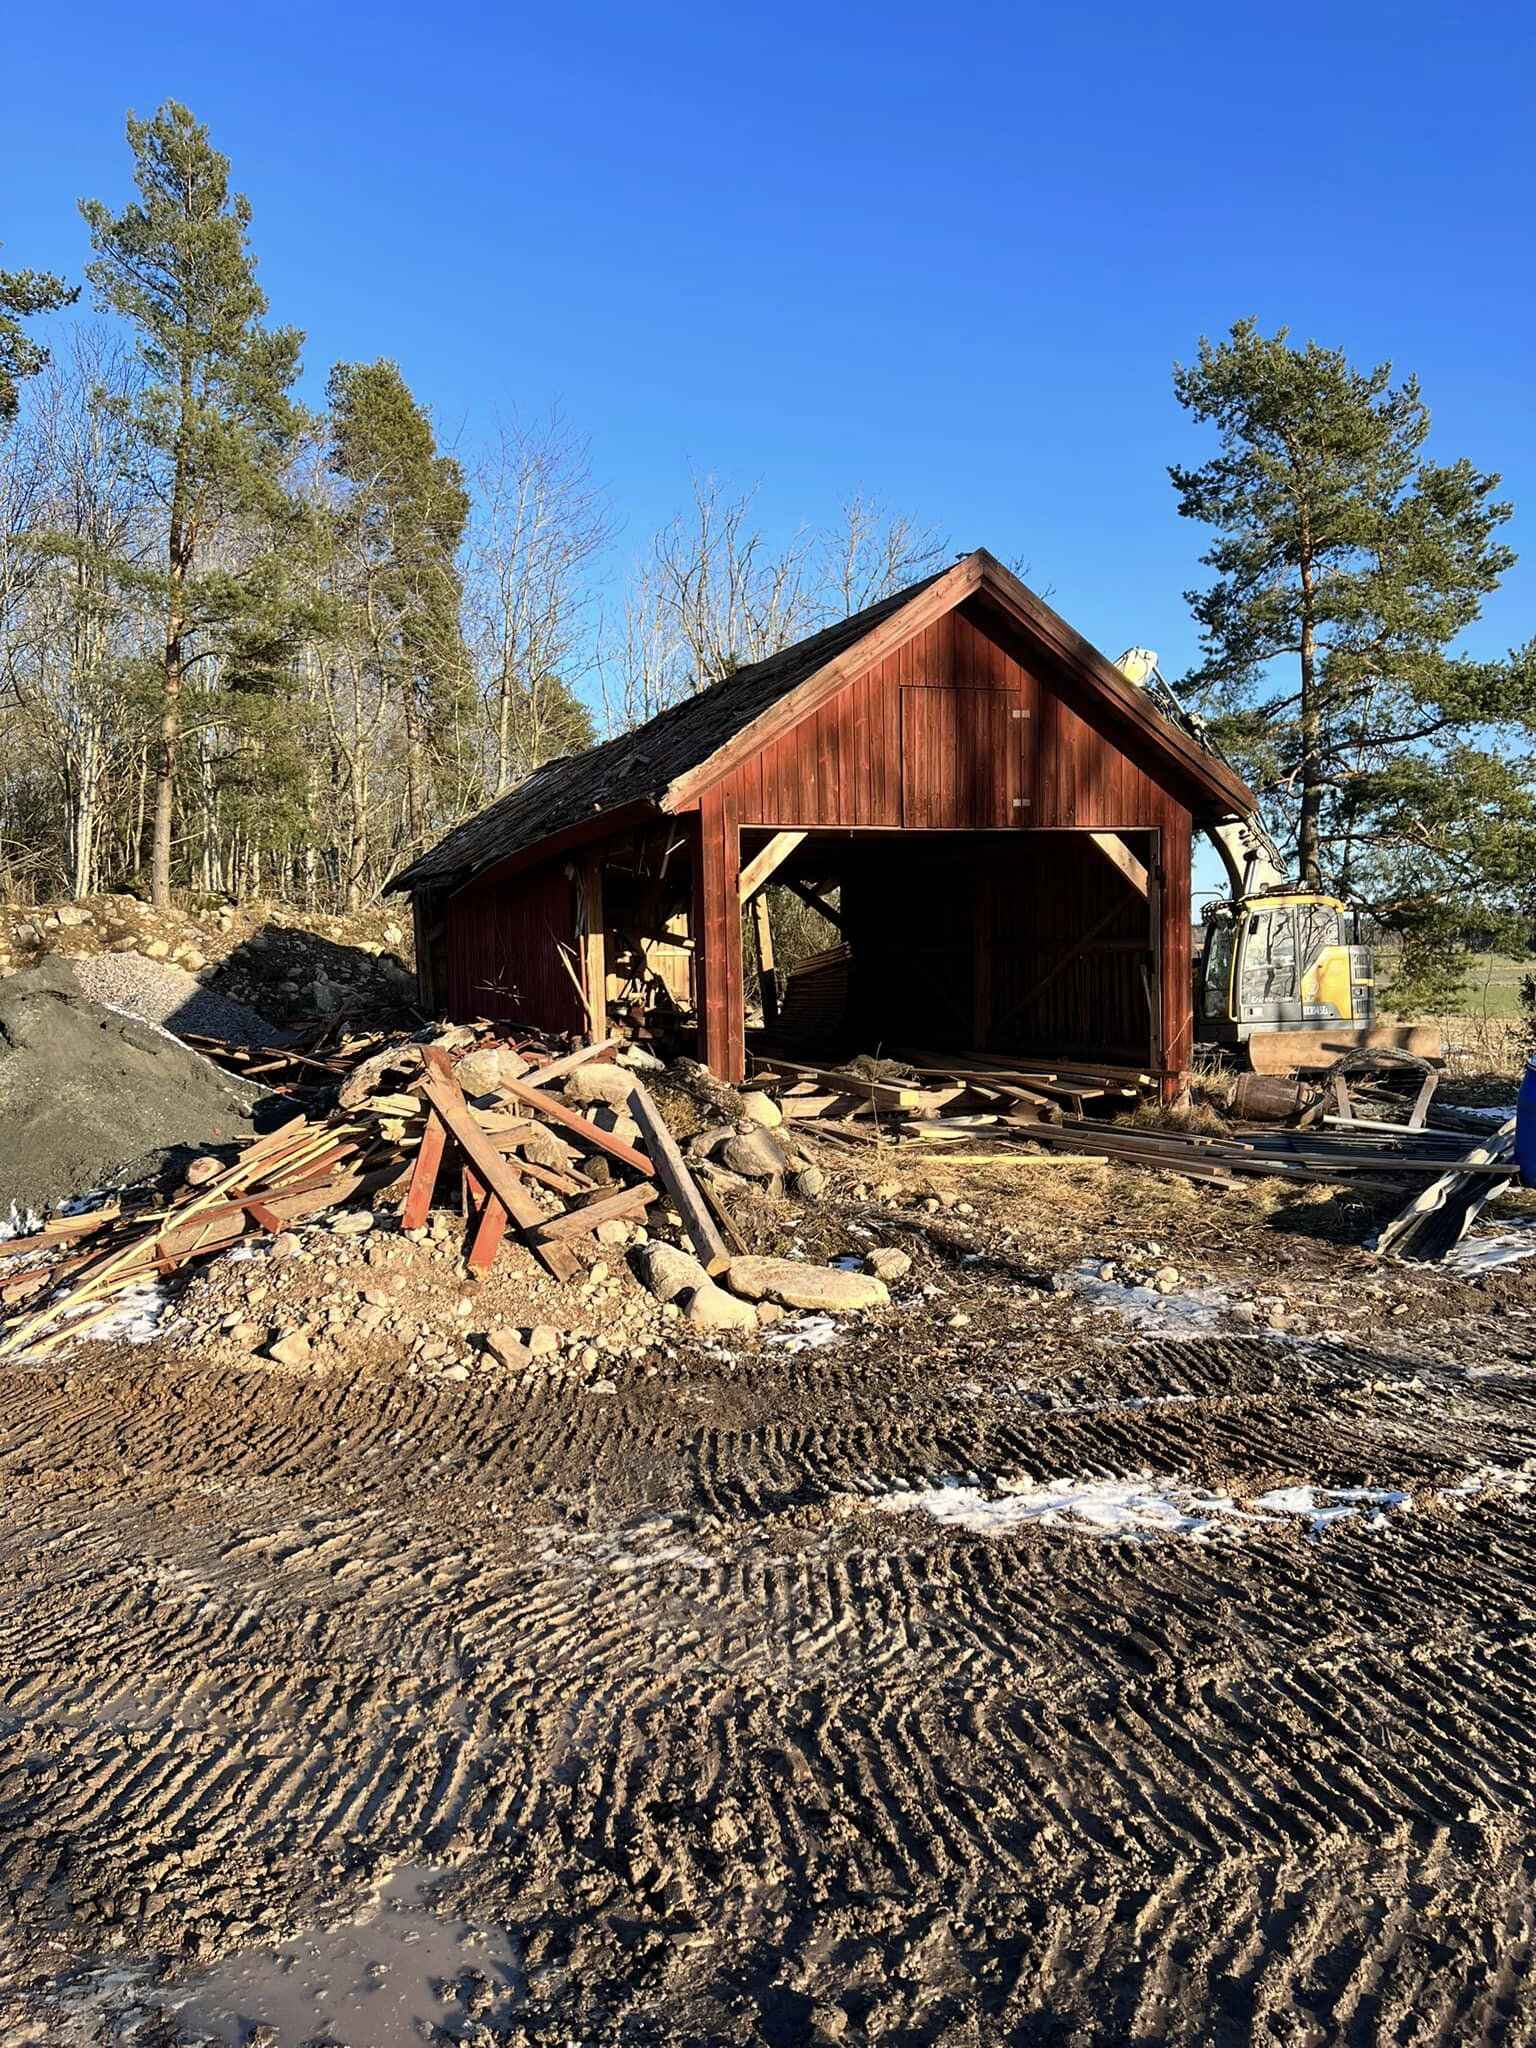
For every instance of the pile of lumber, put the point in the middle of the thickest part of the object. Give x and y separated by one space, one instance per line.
936 1098
402 1117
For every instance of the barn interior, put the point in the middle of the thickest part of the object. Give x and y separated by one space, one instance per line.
1040 944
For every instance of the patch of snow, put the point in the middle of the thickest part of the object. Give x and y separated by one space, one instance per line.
1321 1506
1191 1308
1137 1508
19 1223
803 1333
135 1317
1479 1254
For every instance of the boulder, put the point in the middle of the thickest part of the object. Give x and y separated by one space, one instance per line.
810 1183
888 1264
482 1071
543 1340
545 1147
713 1309
508 1349
617 1123
599 1082
669 1272
756 1155
290 1347
797 1285
762 1109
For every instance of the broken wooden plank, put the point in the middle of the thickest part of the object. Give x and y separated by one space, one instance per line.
569 1119
447 1099
678 1181
429 1157
539 1077
622 1205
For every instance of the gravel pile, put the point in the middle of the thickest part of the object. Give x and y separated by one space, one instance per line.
163 994
91 1098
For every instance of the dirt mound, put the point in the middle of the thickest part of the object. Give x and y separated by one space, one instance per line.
288 964
91 1097
161 993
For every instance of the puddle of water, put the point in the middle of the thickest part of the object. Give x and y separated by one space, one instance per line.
387 1978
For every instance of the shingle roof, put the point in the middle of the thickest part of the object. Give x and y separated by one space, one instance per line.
638 766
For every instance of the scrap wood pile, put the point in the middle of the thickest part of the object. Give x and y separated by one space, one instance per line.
298 1063
529 1165
1068 1111
921 1095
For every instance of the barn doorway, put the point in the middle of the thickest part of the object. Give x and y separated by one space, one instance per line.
1040 944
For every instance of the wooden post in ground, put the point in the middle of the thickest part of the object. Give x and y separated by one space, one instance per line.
717 985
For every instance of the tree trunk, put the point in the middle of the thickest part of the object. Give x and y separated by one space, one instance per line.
1309 829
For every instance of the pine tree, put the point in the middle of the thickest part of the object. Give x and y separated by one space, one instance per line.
23 294
404 515
1347 566
215 417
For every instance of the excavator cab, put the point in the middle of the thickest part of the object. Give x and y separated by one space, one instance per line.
1284 962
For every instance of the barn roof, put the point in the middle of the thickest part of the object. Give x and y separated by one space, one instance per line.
664 762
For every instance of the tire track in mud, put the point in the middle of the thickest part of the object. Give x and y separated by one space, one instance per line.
633 1669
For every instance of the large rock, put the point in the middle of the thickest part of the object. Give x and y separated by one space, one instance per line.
828 1288
482 1071
669 1272
756 1155
599 1082
713 1309
886 1263
761 1108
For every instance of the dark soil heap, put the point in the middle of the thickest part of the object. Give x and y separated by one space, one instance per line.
90 1097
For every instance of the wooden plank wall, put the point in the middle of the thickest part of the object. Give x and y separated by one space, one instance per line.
843 764
503 952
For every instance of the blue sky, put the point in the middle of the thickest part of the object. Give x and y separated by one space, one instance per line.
945 258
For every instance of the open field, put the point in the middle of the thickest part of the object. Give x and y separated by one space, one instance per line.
694 1706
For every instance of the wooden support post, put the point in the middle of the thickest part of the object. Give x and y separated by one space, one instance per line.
767 973
718 995
594 961
760 869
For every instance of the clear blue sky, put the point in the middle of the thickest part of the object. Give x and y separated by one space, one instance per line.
947 257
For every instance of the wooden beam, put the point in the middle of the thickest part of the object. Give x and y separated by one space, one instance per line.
626 1202
569 1119
760 868
767 973
594 962
429 1157
717 984
817 903
540 1077
498 1177
678 1181
1115 850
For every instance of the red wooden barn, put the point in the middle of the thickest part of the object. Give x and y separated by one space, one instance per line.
998 820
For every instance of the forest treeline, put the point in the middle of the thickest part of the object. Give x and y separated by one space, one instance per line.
249 647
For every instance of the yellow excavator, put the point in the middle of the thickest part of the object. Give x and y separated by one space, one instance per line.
1284 979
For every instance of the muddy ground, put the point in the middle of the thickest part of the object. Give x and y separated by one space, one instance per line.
764 1696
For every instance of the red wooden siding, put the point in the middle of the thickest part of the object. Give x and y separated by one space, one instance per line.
852 761
504 951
